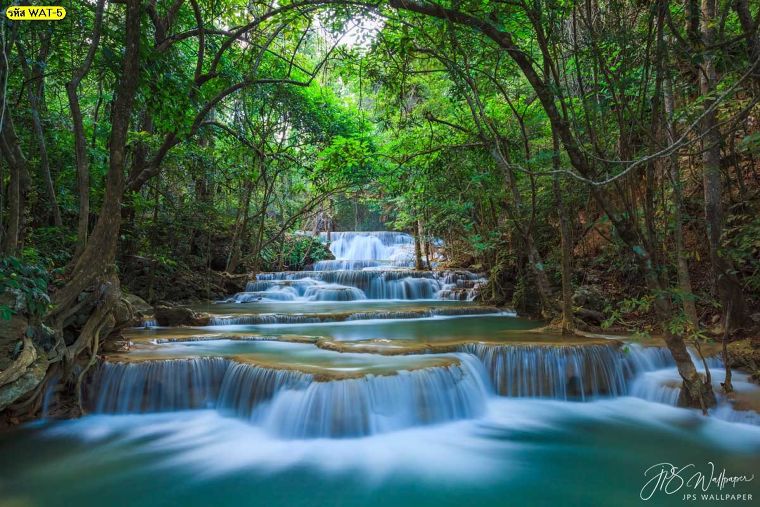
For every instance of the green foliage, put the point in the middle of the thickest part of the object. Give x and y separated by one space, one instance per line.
27 283
295 252
742 245
619 312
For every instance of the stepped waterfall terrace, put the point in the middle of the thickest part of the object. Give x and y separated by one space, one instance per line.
366 382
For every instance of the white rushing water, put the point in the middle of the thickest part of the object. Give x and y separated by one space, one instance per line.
368 265
291 404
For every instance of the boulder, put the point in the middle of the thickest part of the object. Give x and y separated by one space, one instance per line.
590 316
745 355
179 316
588 296
140 306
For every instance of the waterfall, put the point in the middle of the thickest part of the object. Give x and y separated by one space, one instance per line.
148 322
367 265
157 386
372 246
336 285
333 292
377 404
245 387
292 404
568 371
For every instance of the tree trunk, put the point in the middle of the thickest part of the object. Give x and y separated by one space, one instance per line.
241 224
524 229
80 141
35 90
682 264
729 290
417 248
96 259
18 190
568 321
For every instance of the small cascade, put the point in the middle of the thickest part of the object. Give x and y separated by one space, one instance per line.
559 372
157 386
148 322
395 247
430 312
663 385
660 386
568 372
378 404
245 387
640 359
263 284
269 295
346 265
460 285
267 319
182 384
348 285
333 292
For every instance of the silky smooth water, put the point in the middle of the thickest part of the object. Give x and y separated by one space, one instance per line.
521 452
326 397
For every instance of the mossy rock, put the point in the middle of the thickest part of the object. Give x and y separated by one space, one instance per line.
745 355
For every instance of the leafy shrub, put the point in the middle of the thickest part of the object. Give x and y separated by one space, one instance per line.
28 282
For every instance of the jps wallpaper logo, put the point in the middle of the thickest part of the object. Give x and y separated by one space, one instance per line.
35 12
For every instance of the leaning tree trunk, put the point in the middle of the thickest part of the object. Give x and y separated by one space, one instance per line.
93 288
524 229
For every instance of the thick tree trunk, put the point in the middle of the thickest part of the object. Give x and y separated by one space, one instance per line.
695 392
729 290
96 259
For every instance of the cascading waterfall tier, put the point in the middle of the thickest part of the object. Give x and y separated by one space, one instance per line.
377 404
392 247
291 403
567 371
352 285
